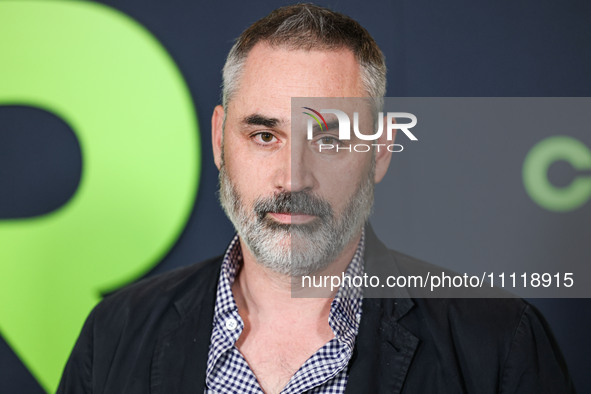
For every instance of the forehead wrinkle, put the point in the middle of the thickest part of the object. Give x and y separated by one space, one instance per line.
300 76
262 120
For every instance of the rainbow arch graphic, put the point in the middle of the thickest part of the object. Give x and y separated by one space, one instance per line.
325 128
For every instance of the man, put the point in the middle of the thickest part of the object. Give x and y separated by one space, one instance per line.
233 325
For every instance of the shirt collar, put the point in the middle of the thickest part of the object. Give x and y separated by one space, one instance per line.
225 302
345 310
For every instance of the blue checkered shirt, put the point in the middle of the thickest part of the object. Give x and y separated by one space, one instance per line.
324 372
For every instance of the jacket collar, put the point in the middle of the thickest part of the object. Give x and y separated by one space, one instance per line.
384 348
383 351
179 362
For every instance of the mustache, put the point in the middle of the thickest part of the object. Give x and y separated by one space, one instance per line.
293 203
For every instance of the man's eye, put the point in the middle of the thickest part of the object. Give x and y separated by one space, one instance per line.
264 138
328 140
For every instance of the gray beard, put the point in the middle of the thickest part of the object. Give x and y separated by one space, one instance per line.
296 249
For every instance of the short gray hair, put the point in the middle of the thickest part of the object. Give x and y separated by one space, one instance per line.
308 27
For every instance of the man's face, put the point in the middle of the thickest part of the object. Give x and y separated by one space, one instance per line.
294 208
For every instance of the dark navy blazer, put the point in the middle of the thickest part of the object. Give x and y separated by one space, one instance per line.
153 337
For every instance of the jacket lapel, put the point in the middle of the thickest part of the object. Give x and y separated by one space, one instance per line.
384 348
383 351
179 362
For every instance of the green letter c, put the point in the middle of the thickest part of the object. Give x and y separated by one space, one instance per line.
535 173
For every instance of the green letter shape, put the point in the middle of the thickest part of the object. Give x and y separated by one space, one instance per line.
119 90
535 173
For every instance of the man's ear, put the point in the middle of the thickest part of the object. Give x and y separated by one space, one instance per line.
217 130
383 156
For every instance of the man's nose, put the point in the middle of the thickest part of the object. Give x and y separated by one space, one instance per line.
296 172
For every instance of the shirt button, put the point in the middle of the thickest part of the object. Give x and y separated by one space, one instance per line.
231 324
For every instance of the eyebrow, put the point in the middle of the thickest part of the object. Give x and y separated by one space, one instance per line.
332 125
260 120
